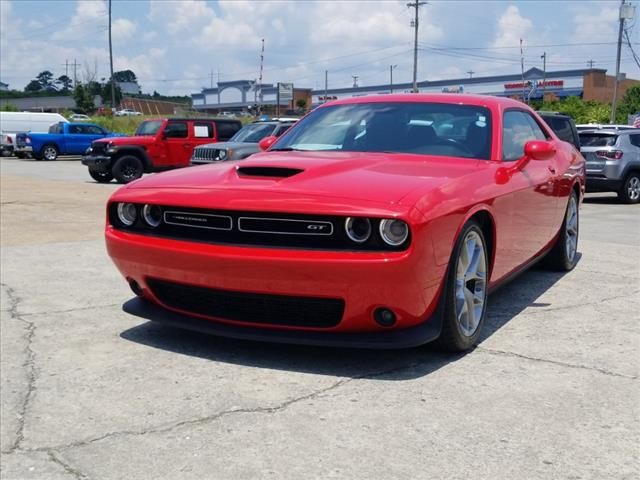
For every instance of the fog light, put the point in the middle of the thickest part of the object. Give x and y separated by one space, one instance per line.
384 317
127 213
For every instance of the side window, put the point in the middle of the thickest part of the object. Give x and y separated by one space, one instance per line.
281 129
176 130
75 129
55 128
93 130
517 129
226 130
202 130
562 127
635 139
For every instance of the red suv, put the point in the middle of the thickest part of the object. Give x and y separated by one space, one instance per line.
157 145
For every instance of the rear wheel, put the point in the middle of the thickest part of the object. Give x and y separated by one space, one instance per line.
466 291
564 254
127 169
100 176
20 154
49 153
630 191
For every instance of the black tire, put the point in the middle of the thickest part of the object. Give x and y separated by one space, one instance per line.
49 153
562 257
36 156
20 154
100 176
630 190
127 169
453 338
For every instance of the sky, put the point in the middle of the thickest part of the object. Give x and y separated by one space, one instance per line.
179 47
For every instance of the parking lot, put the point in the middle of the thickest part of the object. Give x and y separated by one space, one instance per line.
552 390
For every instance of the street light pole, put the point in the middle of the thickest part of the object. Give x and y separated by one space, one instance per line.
416 4
113 87
615 81
391 67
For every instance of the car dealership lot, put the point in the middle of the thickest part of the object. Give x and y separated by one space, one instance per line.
91 392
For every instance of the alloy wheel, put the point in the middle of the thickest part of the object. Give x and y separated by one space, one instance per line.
571 227
50 153
471 284
633 188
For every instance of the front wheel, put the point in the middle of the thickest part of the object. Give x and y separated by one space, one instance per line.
564 254
101 177
630 191
127 169
466 291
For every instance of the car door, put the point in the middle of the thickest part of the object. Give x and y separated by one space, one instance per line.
72 141
88 133
529 202
177 144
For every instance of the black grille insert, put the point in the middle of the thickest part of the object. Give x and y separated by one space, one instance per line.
250 307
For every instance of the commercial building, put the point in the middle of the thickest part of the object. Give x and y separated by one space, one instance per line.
589 84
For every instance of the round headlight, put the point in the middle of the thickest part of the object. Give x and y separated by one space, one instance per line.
358 229
127 213
222 154
152 214
394 232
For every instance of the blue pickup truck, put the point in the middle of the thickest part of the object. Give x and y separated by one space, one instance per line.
63 139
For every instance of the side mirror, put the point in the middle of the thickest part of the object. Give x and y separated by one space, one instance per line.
539 150
266 142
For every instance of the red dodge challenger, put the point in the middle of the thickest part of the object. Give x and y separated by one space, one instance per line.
375 222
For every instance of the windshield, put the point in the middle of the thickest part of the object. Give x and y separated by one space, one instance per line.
597 140
253 133
149 128
420 128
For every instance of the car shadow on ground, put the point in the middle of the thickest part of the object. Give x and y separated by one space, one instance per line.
397 365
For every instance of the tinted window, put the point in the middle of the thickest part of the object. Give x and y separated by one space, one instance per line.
635 139
518 128
202 130
440 129
92 130
597 140
253 133
281 129
176 130
149 128
562 128
75 129
55 128
226 130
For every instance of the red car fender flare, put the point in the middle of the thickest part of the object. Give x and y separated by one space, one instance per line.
478 208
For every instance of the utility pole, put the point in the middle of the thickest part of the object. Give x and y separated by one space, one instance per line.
416 4
471 72
260 79
326 85
624 14
113 86
590 62
544 73
211 77
391 67
355 81
66 68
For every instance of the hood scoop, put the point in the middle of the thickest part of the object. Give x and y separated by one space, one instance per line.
277 172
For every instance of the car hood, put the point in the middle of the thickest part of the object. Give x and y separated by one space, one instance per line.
373 177
121 139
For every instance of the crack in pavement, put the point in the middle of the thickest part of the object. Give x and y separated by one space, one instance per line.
67 467
29 364
70 310
213 417
492 351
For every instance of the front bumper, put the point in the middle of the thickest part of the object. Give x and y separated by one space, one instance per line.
23 149
100 163
407 282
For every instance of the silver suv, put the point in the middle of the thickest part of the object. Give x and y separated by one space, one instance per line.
613 162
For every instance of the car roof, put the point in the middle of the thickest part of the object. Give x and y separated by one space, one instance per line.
453 98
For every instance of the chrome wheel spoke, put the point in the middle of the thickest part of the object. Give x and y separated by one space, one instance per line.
471 283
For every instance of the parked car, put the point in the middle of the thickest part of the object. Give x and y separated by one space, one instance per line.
157 145
12 123
127 112
598 126
241 145
64 138
361 226
613 162
79 117
563 126
7 142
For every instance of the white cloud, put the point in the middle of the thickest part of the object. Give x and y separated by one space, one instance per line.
511 28
90 16
180 15
122 29
595 25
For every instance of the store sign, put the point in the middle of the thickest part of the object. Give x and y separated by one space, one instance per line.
328 98
536 84
456 89
285 92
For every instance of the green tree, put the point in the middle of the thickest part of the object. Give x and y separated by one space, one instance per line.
64 83
83 99
8 107
94 88
34 86
301 103
45 79
106 94
629 105
125 76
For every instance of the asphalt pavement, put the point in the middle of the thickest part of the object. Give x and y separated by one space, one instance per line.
89 392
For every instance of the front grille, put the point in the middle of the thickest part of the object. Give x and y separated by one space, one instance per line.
98 148
271 230
250 307
205 155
